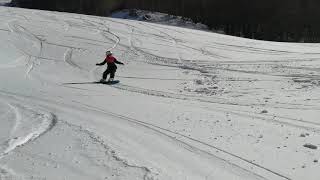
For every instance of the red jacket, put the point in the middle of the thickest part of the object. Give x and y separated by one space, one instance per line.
110 59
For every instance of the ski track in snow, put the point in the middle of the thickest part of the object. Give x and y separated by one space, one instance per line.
21 32
33 131
68 58
203 60
29 125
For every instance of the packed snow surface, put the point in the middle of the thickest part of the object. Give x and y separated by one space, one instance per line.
190 105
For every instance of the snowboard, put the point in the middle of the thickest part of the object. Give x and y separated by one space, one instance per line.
108 82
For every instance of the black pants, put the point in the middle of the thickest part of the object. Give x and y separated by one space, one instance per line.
110 71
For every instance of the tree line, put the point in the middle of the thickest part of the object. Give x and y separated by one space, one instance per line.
275 20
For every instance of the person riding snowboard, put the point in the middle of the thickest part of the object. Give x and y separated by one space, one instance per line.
112 67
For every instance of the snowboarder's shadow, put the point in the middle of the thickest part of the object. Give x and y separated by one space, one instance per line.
95 82
80 83
147 78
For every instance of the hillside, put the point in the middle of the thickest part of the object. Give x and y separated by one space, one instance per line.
190 104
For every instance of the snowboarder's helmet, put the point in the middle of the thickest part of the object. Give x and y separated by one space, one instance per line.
108 53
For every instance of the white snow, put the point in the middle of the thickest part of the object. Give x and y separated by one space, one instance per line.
4 2
157 17
190 104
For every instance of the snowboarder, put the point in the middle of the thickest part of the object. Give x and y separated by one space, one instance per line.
112 67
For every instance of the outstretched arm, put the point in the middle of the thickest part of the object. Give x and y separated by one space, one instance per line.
101 64
118 62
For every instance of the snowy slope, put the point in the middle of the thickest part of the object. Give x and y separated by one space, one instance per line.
190 105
